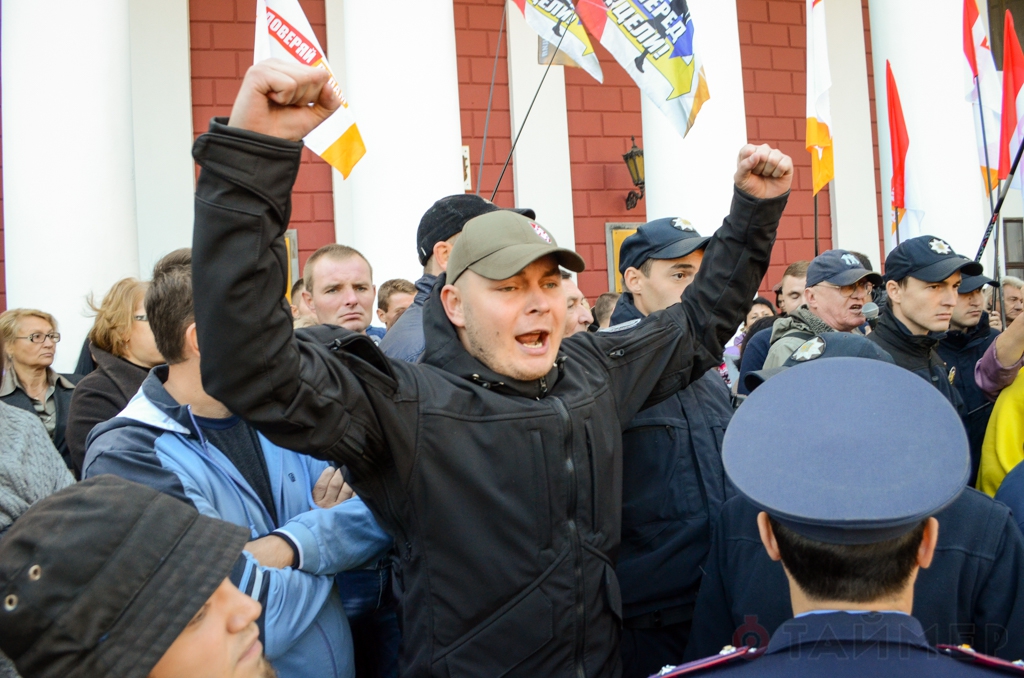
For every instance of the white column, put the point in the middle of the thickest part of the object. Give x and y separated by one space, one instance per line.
924 41
692 178
69 190
162 115
853 192
407 108
335 47
540 164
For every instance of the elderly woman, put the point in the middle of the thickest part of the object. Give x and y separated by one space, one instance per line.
30 338
124 350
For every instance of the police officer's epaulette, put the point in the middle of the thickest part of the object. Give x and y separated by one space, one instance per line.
966 653
728 655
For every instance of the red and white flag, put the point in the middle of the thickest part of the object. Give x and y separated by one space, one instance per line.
1012 127
983 90
905 217
283 32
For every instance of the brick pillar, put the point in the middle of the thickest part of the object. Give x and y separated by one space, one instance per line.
773 38
222 34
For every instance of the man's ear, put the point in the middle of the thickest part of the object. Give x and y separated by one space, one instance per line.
191 341
631 279
810 298
380 315
308 298
926 551
764 528
894 291
452 300
442 250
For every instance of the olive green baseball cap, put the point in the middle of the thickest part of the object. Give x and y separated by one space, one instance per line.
497 245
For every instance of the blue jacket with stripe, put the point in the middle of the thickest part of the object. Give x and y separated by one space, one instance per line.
156 442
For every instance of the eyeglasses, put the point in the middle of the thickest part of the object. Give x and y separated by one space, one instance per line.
846 291
39 337
141 318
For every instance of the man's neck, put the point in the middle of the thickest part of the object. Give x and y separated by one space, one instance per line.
957 327
185 385
915 329
902 601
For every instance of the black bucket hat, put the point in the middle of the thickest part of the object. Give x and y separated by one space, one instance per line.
101 578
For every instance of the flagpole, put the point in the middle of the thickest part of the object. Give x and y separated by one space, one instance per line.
984 143
999 204
815 224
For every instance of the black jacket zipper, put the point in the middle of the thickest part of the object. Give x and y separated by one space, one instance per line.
574 536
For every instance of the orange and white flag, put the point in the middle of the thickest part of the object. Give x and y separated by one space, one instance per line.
819 108
283 32
983 90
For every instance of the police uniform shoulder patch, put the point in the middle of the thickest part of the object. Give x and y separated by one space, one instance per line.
811 349
966 653
940 246
622 327
728 655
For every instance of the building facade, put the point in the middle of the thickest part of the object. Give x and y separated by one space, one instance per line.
98 177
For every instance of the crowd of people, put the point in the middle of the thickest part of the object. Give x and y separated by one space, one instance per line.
506 479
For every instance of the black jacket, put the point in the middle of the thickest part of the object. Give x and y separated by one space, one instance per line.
961 351
973 593
504 497
62 400
99 397
915 353
673 487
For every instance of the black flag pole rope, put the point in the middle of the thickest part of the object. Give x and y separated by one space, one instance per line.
490 99
991 206
527 116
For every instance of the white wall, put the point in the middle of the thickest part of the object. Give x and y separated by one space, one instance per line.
162 114
541 162
68 158
692 178
924 41
335 48
407 110
853 191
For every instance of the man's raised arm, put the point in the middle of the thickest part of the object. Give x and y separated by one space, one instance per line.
252 361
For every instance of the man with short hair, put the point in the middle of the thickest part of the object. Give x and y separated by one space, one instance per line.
339 287
301 311
969 336
578 316
604 307
111 578
495 464
673 485
922 276
791 297
858 558
837 287
394 298
176 438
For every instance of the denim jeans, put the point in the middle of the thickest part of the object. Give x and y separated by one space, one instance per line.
373 615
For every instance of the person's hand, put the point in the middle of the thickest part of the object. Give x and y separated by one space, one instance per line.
272 551
331 489
284 100
763 172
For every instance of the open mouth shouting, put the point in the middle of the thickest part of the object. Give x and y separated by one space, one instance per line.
534 343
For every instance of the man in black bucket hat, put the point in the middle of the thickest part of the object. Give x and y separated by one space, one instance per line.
110 578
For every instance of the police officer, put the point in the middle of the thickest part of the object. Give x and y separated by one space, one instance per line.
853 527
968 338
673 484
922 276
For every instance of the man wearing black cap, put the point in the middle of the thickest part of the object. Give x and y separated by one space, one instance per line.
110 579
438 230
969 336
495 464
922 276
856 529
673 485
837 288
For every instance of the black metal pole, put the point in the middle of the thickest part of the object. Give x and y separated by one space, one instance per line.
999 204
815 224
490 100
984 143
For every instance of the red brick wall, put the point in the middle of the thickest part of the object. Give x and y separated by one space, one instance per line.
476 41
222 40
773 52
602 118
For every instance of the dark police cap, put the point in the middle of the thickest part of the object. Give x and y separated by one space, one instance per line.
99 579
447 216
828 345
839 268
831 482
669 238
929 259
973 283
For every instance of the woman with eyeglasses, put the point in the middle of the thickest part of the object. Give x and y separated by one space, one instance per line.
124 351
30 342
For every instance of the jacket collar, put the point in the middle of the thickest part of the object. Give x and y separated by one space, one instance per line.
445 351
423 287
867 627
895 332
626 310
10 382
977 334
